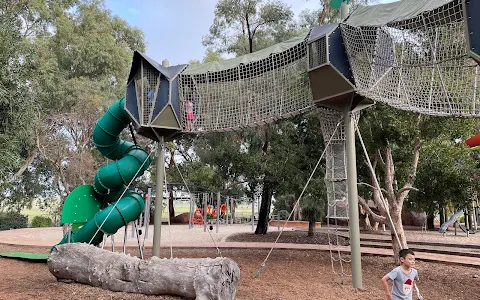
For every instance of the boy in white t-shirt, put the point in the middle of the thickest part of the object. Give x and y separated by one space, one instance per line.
403 277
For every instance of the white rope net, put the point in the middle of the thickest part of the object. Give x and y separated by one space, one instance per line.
336 183
419 64
247 95
336 168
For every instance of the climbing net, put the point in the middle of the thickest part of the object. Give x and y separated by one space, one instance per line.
336 170
248 94
333 130
419 64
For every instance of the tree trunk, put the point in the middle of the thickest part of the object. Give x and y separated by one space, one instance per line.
201 279
267 192
470 219
442 215
232 209
368 225
311 226
430 220
396 214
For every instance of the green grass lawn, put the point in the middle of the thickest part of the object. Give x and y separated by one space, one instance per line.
180 208
35 211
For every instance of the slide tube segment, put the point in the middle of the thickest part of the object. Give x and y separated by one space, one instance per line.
111 180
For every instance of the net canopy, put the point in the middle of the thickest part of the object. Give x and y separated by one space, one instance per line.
412 55
382 14
246 91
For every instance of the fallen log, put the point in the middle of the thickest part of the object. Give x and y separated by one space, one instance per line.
199 278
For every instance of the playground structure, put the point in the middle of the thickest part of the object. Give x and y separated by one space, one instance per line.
81 208
414 55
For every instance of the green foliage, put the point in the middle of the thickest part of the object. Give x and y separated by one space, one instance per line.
12 220
447 172
313 208
61 63
200 177
447 176
256 24
40 221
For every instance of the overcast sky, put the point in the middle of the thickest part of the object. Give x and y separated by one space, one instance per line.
174 29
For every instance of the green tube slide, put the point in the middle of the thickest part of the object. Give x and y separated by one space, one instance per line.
111 180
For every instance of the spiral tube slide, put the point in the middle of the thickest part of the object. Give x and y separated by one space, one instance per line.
111 180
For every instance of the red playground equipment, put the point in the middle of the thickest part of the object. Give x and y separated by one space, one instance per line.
198 214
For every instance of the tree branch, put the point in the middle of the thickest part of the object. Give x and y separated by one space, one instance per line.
371 186
375 217
403 192
380 160
234 183
24 167
260 24
405 189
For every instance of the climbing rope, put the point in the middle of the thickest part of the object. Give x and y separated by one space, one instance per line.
262 266
338 251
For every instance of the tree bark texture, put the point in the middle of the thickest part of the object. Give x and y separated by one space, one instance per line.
201 278
311 226
430 221
396 215
263 214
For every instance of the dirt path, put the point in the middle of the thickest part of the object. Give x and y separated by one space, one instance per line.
288 275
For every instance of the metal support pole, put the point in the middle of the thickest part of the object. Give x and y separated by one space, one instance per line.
218 209
144 221
140 248
157 228
278 221
147 211
125 239
353 199
205 202
344 11
112 239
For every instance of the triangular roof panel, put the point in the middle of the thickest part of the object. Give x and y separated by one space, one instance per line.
169 72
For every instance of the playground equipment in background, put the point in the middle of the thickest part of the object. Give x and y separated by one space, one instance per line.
453 220
443 228
199 212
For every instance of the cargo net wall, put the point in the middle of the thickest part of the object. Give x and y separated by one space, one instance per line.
336 172
247 95
419 64
146 87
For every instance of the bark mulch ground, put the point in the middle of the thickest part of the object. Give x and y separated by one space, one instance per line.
288 275
294 237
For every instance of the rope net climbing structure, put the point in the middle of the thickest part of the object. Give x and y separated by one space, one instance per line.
336 170
419 63
246 91
333 130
